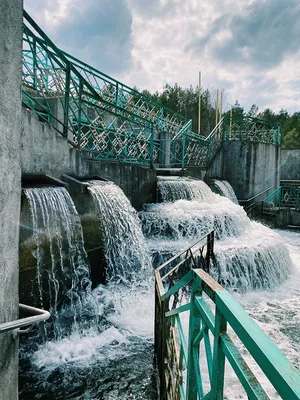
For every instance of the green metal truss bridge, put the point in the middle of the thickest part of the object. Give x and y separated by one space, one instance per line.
109 120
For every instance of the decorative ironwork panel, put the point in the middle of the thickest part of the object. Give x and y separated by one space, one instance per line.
251 130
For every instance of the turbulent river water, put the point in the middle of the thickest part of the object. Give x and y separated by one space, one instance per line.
111 355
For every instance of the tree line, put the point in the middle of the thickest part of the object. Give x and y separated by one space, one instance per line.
185 101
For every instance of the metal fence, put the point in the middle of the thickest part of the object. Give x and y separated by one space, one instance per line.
107 119
210 310
250 129
283 197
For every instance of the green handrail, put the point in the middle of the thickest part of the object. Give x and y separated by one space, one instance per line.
242 127
287 196
178 350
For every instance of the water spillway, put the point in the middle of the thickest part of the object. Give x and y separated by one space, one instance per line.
248 254
113 359
225 189
172 189
125 247
113 355
62 269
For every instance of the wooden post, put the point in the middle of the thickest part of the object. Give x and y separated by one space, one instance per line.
221 104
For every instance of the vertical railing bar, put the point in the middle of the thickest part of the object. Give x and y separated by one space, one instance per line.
194 327
218 368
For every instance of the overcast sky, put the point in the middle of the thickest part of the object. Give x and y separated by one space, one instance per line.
249 48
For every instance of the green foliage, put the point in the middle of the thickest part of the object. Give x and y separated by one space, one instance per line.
185 102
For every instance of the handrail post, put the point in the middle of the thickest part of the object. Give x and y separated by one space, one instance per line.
67 100
80 105
151 146
183 149
193 368
210 250
218 373
160 340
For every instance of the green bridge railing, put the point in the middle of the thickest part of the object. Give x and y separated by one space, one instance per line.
103 117
287 196
250 129
183 350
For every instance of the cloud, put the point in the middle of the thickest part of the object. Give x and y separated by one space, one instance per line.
98 32
262 34
247 47
153 8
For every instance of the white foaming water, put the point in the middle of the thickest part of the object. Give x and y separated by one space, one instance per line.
61 259
172 189
257 259
127 317
225 189
277 312
125 312
185 219
125 247
248 255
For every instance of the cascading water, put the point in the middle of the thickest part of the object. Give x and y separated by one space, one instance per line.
62 269
248 255
125 247
251 260
225 189
114 361
111 359
171 189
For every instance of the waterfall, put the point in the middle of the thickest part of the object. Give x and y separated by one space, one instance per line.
125 247
225 189
112 358
192 219
115 360
258 259
62 269
248 254
171 189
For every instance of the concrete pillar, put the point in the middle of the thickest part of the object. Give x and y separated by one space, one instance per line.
10 187
165 149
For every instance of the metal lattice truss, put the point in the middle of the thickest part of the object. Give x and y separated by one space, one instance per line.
251 130
101 116
109 120
118 94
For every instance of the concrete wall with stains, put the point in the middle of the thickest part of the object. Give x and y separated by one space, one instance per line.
10 187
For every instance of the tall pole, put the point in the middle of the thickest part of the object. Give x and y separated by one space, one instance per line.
230 126
199 104
221 104
217 106
221 109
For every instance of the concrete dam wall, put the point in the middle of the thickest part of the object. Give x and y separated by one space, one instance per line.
10 188
249 167
45 151
290 165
